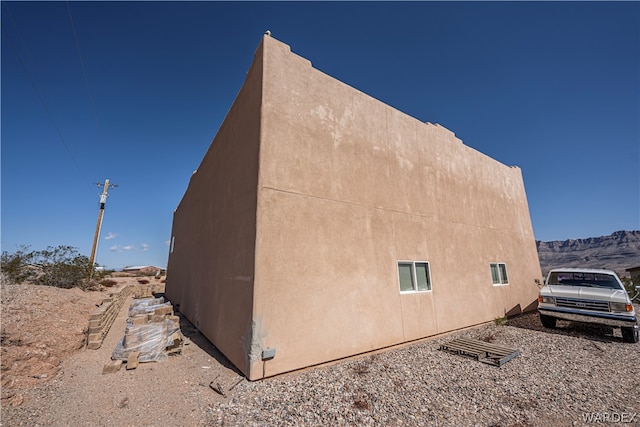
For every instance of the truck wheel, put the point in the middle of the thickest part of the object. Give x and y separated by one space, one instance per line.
629 334
548 321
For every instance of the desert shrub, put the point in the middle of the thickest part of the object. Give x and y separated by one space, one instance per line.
62 267
90 285
108 283
101 273
143 281
501 321
16 265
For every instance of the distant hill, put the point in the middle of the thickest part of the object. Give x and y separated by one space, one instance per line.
618 251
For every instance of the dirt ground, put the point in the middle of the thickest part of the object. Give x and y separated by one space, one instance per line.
49 378
39 331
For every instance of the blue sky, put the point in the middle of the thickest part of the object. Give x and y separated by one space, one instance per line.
552 87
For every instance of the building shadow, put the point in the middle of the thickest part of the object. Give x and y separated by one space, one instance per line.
189 331
517 309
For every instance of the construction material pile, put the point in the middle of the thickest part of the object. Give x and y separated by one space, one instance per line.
152 332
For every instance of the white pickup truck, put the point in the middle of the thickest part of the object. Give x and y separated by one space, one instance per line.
587 295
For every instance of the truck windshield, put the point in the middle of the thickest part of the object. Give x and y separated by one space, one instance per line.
594 280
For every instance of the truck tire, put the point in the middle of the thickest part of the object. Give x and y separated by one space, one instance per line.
548 321
629 334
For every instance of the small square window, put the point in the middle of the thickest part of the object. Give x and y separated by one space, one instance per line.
499 273
414 276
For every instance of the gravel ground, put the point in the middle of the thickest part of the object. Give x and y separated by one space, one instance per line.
576 375
559 378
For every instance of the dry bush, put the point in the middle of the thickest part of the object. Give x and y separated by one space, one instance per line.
90 285
108 283
143 281
501 321
62 267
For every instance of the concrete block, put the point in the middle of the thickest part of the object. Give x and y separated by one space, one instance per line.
156 318
96 315
94 345
164 310
112 366
176 340
140 319
132 360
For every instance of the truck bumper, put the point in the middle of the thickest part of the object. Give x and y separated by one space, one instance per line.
597 318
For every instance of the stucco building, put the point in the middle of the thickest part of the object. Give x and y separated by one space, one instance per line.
323 223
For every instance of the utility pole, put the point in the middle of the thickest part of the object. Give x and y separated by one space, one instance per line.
103 201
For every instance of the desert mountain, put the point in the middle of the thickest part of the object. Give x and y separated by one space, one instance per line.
618 251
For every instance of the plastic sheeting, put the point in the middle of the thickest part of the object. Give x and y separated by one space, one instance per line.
149 339
146 306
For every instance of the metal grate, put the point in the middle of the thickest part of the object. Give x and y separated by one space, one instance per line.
482 351
583 304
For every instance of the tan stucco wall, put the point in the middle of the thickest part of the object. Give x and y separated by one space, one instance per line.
211 268
289 234
348 186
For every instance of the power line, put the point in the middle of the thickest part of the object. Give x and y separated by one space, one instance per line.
40 99
37 77
86 78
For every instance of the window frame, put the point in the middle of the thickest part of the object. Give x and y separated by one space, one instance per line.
502 281
414 276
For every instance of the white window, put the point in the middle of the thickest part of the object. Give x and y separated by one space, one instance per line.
414 276
499 273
